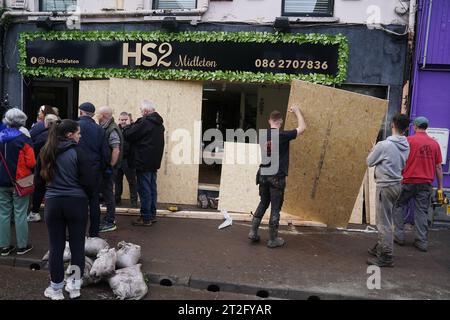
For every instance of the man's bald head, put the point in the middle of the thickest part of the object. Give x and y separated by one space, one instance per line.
105 114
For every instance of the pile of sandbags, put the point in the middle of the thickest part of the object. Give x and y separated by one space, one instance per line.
119 267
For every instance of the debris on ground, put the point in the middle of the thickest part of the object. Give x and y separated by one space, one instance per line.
368 229
228 220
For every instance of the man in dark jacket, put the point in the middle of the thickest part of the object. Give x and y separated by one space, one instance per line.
95 146
146 137
124 168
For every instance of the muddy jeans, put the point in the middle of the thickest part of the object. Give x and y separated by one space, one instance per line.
421 192
386 198
271 191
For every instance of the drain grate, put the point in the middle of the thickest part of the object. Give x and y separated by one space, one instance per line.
35 267
262 294
166 282
213 288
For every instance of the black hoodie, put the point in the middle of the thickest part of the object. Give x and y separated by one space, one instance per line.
73 175
146 138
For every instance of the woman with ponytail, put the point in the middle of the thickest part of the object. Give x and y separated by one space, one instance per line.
63 168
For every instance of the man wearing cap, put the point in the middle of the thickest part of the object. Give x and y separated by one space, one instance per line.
95 146
423 164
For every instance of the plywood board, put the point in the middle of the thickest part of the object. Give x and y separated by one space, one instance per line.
238 189
357 212
180 105
97 92
372 196
327 163
94 91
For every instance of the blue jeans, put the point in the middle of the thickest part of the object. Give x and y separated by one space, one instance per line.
147 193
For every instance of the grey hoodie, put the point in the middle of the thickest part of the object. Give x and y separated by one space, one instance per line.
389 158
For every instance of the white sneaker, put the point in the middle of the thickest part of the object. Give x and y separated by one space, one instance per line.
34 217
54 294
73 287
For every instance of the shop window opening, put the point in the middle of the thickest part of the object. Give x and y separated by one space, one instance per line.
234 106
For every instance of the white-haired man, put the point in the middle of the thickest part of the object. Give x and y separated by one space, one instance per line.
146 138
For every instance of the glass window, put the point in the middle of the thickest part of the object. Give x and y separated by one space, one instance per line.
57 5
175 4
308 8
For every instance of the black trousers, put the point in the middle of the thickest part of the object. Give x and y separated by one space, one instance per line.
61 214
38 196
271 191
130 174
107 190
94 208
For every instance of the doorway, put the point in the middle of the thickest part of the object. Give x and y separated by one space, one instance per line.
62 94
225 106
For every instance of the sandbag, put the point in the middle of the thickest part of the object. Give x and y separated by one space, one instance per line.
105 264
128 283
128 254
92 246
66 257
87 278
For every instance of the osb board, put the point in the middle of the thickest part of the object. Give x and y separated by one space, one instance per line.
94 91
238 189
180 105
372 195
327 163
97 92
357 212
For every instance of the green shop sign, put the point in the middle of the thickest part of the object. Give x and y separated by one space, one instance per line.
258 57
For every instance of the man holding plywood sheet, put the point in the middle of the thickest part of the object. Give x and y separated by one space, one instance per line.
272 173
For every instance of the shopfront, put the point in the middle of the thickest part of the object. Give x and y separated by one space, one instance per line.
223 77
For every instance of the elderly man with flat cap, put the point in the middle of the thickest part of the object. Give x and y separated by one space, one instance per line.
423 164
95 146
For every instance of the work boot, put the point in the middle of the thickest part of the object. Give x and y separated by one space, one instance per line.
274 240
381 260
420 246
73 287
373 251
398 241
253 234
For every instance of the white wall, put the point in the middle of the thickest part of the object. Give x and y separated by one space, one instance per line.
260 11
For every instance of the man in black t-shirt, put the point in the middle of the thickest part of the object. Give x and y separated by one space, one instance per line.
272 174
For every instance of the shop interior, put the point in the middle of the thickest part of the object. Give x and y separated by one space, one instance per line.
235 106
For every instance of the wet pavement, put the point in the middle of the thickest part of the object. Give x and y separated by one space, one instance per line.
193 255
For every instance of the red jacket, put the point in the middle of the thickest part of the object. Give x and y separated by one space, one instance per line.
17 149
